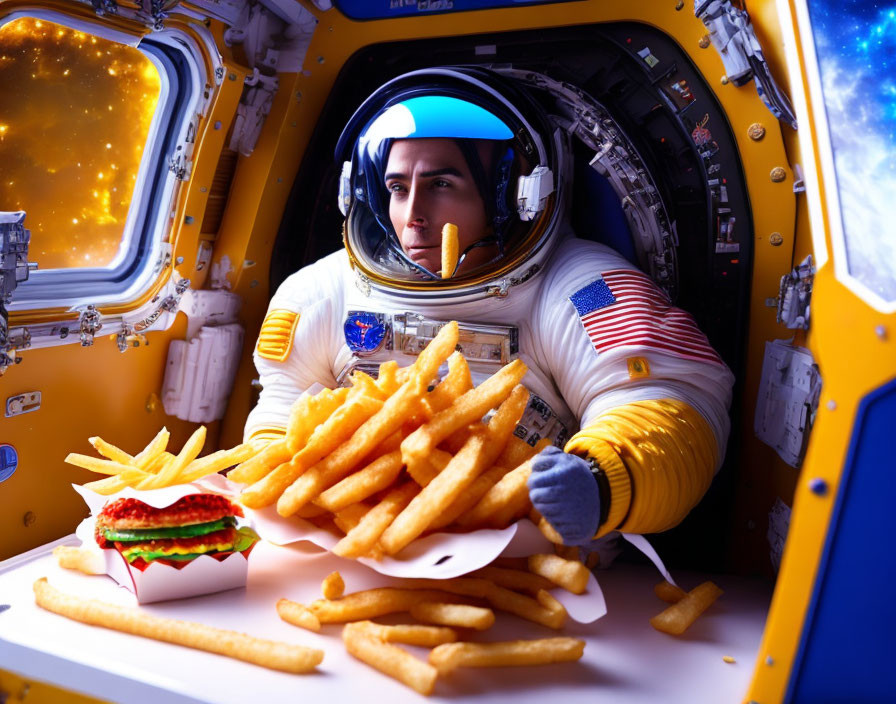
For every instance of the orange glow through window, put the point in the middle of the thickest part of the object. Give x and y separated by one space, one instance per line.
74 118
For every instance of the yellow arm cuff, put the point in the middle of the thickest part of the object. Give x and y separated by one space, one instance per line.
267 434
588 444
668 452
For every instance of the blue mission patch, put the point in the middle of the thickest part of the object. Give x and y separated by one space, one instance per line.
364 332
594 296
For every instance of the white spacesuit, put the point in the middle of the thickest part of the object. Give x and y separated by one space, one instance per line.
612 364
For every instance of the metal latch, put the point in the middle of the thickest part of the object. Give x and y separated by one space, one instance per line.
88 325
14 269
22 403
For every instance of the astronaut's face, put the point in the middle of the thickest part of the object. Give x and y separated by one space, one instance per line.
429 184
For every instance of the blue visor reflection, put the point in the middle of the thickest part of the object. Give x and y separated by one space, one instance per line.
434 116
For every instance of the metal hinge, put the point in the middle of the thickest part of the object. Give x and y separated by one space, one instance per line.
89 324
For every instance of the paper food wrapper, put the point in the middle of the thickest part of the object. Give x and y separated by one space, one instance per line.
436 556
160 582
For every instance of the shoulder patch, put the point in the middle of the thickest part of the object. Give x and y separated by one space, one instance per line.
275 338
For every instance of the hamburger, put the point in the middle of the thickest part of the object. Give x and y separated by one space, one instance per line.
194 525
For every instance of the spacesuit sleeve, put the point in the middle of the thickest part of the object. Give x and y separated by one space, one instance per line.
650 393
294 351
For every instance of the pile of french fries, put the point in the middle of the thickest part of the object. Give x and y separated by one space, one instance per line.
447 611
154 467
383 462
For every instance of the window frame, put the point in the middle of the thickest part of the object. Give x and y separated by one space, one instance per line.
145 245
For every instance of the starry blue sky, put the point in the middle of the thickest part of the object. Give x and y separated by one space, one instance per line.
862 35
855 41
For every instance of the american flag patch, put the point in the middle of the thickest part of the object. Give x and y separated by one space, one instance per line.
626 308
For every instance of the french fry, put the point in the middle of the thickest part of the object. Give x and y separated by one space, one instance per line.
362 538
424 470
572 575
309 511
155 448
298 615
424 368
424 636
505 501
349 517
461 615
94 464
111 451
111 485
544 525
456 383
170 474
518 451
333 586
376 476
270 654
548 602
160 462
387 380
80 559
328 436
668 592
216 462
520 580
371 603
466 409
552 616
676 619
449 250
469 498
364 385
308 412
389 659
542 651
273 455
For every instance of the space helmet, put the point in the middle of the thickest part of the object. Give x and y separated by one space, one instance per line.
518 181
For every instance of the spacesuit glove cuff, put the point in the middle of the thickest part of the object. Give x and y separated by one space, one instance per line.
618 481
265 434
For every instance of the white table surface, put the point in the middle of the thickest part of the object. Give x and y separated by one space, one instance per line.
626 661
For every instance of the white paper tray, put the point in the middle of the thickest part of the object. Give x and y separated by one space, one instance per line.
626 661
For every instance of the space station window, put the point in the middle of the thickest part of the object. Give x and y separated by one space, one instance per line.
853 42
73 138
91 119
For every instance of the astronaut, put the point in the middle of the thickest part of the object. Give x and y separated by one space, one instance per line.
624 384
